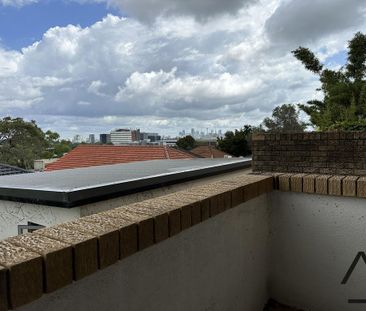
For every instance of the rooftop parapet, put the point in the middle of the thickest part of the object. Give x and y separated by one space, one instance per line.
53 257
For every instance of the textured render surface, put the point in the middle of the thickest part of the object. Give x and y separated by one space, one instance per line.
314 239
25 275
57 258
217 265
13 214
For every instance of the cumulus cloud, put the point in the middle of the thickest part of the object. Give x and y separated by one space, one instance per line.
175 73
148 10
298 22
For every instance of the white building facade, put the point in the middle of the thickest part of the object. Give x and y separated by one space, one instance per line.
121 137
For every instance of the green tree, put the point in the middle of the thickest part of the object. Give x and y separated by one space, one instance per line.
55 147
236 143
21 142
285 118
187 142
344 90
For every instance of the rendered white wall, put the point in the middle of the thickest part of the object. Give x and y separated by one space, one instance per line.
313 241
218 265
13 214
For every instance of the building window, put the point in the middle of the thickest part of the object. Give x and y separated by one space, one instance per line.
30 227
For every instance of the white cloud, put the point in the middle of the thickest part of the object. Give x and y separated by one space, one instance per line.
298 22
175 73
17 3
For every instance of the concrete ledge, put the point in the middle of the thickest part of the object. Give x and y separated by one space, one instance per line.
51 258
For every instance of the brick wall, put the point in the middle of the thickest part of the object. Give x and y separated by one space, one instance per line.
321 153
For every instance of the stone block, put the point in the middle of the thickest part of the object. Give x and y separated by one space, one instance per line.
128 235
57 258
335 185
3 289
296 182
308 183
85 248
25 274
145 225
284 182
361 187
321 184
349 186
107 235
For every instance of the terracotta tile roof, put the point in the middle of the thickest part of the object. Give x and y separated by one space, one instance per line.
209 152
95 155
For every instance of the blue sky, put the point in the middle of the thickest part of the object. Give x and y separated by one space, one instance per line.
20 27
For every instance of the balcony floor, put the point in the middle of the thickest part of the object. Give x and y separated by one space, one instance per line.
273 305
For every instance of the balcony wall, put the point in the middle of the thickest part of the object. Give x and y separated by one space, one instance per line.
313 241
220 264
238 243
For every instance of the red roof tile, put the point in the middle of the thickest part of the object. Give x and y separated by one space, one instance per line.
209 152
94 155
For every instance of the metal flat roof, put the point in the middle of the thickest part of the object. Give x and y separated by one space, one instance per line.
6 169
73 187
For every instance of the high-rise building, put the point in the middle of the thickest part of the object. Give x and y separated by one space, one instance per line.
150 137
77 139
105 138
135 135
121 137
91 139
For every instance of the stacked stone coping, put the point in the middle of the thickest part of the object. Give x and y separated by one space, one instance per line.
337 185
51 258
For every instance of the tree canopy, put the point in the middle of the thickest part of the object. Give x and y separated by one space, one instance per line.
22 142
187 142
284 118
236 143
344 102
56 147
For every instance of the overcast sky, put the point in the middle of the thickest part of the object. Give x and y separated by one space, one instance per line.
88 66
